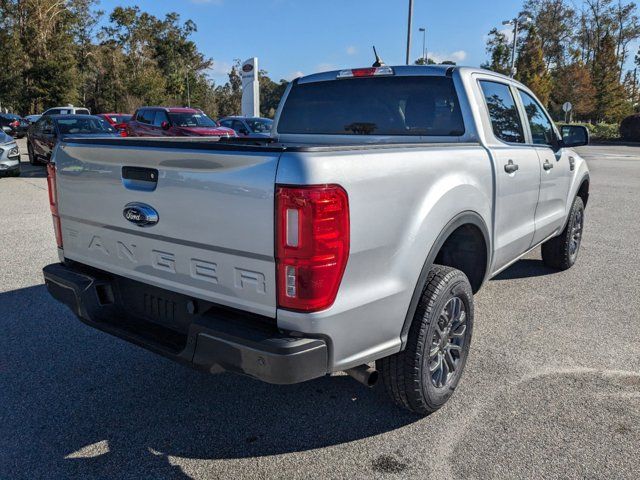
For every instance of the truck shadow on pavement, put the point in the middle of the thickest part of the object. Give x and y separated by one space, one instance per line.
32 171
79 403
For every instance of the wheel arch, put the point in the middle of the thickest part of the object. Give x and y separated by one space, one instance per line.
583 189
462 225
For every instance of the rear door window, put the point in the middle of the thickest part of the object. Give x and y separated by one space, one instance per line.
402 105
503 112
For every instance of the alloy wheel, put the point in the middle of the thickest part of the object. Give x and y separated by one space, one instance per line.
447 343
576 233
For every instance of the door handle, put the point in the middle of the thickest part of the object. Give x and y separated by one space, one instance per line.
547 165
511 167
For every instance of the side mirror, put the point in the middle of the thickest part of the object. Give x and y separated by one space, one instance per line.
574 135
165 125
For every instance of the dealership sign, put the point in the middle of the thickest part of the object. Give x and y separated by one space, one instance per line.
250 88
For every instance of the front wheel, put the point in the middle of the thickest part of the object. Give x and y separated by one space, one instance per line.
561 252
423 376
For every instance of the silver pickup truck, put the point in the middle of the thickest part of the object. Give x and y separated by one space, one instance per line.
358 232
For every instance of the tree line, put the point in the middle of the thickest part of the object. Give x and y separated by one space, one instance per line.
57 52
575 54
67 51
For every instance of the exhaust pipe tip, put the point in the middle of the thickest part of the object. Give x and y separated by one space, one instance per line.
366 375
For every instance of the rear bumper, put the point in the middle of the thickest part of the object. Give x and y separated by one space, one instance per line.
187 330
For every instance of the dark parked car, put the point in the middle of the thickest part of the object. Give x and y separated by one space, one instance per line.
175 122
249 126
50 129
119 121
13 125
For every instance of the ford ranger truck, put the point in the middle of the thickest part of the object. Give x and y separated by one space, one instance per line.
357 233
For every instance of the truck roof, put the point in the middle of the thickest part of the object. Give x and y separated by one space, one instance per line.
405 70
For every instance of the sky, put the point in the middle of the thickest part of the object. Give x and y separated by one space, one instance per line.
298 37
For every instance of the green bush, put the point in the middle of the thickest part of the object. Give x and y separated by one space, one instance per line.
630 128
606 131
602 131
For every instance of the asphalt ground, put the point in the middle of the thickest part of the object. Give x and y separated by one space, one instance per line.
551 388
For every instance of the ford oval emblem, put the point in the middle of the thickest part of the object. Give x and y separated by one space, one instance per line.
141 214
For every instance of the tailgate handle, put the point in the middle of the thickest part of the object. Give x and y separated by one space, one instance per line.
139 178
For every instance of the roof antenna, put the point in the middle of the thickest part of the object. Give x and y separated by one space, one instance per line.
379 62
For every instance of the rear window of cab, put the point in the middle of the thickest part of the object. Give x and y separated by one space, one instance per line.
405 105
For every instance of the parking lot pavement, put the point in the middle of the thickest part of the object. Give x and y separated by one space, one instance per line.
551 389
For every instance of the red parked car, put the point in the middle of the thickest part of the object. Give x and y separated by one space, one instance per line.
118 121
175 122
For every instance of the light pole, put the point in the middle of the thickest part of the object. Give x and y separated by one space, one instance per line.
424 45
188 90
409 31
516 22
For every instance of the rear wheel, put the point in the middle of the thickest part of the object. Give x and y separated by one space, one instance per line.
425 374
561 252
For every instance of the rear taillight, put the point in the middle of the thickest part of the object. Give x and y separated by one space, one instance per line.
312 245
53 202
15 124
366 72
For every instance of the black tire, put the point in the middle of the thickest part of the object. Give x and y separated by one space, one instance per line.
561 252
32 156
408 376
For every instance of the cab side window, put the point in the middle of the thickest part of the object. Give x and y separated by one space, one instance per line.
503 112
542 132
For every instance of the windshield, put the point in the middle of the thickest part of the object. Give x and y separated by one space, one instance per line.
83 125
191 120
419 106
259 125
120 118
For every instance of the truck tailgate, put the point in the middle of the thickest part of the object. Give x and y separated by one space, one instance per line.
214 236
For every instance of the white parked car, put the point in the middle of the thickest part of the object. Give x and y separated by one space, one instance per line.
68 110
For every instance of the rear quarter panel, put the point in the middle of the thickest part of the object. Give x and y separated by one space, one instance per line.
400 199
